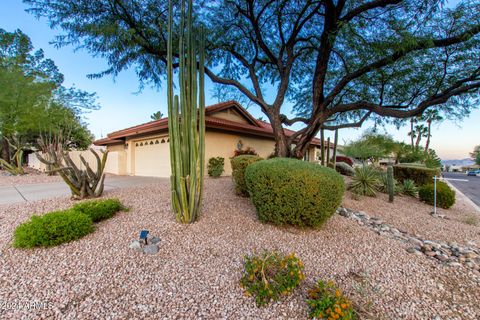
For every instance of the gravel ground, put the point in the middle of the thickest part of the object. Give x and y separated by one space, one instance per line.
32 176
412 215
197 271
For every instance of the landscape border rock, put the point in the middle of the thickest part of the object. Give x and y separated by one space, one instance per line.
450 253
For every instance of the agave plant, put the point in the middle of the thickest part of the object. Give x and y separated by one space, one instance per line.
186 117
365 182
409 188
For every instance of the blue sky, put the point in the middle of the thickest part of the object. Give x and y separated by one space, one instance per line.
122 106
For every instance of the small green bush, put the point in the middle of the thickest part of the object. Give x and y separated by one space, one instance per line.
409 188
99 210
271 275
294 192
216 167
52 229
421 175
326 301
344 169
239 164
366 181
445 195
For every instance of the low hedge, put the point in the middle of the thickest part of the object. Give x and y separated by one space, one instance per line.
420 175
215 166
52 229
445 195
294 192
239 164
99 210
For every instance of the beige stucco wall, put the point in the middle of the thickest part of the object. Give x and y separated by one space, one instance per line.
217 144
231 115
115 162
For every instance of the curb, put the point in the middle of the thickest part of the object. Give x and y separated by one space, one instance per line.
467 199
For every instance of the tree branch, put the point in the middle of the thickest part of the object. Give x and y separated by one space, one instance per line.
366 7
421 44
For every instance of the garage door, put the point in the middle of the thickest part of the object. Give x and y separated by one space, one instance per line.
152 157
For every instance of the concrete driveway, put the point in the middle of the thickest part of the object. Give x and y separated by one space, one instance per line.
470 188
33 192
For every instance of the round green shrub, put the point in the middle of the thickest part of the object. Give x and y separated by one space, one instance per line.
215 167
99 210
52 229
294 192
239 164
445 195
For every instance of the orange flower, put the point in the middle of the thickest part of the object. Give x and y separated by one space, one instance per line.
344 306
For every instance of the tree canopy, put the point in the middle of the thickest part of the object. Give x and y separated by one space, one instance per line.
370 146
476 154
373 146
339 62
34 102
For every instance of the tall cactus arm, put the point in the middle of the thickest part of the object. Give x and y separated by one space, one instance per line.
99 175
70 163
103 162
90 173
99 191
43 160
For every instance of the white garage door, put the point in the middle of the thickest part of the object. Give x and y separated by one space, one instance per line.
152 157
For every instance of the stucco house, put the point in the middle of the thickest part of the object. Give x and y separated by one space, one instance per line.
143 150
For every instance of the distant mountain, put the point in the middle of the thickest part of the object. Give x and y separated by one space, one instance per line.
462 162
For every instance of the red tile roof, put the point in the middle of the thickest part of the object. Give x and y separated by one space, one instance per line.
254 126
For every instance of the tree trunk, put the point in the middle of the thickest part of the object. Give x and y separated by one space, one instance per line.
5 150
328 151
282 148
322 147
335 142
427 143
411 131
419 138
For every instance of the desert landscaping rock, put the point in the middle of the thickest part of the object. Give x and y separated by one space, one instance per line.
154 240
196 273
441 251
136 245
150 249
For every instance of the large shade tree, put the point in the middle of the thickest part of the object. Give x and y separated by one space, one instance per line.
339 62
33 101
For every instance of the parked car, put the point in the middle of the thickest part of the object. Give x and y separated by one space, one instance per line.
473 173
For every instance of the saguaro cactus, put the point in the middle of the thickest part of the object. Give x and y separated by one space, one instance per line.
186 117
390 184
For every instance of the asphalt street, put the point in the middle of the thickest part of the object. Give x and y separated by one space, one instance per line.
470 188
